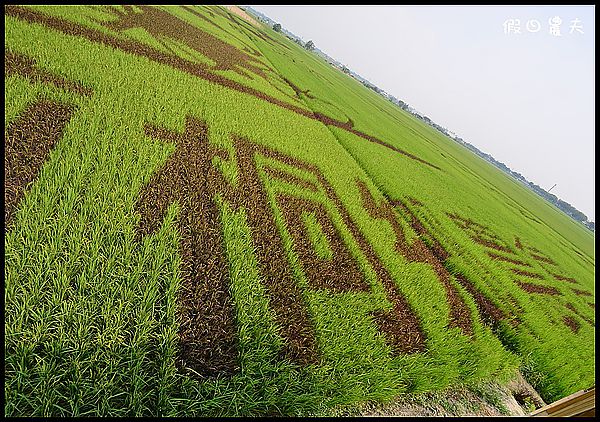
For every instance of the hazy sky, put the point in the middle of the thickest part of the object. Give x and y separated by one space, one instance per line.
527 99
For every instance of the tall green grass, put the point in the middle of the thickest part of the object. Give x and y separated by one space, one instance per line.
91 314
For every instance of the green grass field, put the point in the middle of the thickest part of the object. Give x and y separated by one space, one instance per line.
204 219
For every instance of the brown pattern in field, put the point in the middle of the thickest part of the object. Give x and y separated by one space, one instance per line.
290 178
498 257
29 140
490 313
400 325
207 334
27 144
572 308
474 231
297 90
563 278
19 64
204 18
527 273
341 272
533 249
206 9
163 24
518 243
537 288
473 226
581 292
543 259
517 309
572 323
199 70
418 251
414 201
491 244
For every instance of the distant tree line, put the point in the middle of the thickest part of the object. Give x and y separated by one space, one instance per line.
565 207
278 28
398 102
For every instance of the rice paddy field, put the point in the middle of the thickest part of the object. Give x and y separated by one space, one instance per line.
204 219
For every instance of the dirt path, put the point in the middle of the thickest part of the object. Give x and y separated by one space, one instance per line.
243 15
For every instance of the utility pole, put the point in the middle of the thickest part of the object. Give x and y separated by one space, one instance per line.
551 188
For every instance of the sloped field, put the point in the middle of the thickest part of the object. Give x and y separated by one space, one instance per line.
202 218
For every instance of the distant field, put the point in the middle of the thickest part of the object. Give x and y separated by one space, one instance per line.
203 218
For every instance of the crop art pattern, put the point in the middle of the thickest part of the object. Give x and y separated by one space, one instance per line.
27 144
203 218
418 251
515 259
162 24
167 25
324 238
207 332
29 139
